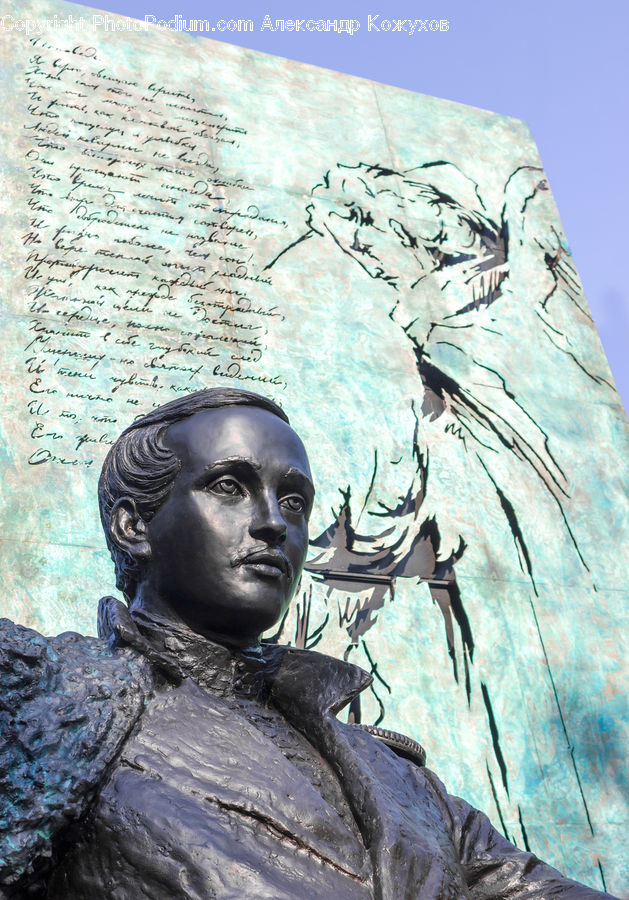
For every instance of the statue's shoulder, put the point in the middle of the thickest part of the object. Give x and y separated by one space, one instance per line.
30 663
66 705
82 669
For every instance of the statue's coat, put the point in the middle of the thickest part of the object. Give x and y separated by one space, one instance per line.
121 780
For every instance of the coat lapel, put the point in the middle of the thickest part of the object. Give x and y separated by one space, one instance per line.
401 820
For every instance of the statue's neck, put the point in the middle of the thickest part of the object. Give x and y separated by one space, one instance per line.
148 603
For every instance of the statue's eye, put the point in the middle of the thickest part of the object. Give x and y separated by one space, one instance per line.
226 486
294 502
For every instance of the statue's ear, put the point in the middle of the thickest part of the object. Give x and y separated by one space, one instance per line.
129 530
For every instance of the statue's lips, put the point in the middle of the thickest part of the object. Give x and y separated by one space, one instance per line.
269 563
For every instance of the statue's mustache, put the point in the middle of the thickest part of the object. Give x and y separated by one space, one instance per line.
269 556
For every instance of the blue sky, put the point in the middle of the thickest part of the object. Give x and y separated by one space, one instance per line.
561 65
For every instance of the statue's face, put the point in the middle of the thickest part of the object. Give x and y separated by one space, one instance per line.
229 543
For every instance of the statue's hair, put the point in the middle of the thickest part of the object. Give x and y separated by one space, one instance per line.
140 466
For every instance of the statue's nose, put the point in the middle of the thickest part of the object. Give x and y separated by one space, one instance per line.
268 523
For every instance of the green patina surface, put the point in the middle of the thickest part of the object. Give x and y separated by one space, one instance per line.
391 268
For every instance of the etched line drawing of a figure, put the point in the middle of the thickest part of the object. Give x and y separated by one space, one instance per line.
449 270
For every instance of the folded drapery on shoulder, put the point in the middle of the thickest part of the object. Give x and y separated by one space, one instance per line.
66 705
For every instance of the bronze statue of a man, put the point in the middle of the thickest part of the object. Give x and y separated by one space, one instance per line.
177 757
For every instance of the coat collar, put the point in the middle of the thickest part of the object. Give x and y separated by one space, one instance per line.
303 683
311 684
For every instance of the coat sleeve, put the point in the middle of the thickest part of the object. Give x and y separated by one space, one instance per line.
66 705
497 870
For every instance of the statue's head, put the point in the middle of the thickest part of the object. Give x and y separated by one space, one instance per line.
205 504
